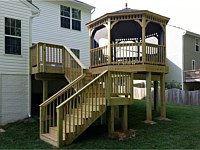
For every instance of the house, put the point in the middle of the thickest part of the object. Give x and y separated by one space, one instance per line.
15 40
60 22
183 57
63 22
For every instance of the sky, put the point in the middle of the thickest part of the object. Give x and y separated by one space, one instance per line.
182 13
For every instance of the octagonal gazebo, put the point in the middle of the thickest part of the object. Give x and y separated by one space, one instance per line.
131 40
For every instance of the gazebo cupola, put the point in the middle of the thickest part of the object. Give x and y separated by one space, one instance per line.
128 37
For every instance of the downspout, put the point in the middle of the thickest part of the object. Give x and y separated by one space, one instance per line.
93 10
29 76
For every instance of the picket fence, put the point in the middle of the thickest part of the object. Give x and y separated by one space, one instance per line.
174 96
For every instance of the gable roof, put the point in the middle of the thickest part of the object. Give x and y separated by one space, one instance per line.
33 8
82 3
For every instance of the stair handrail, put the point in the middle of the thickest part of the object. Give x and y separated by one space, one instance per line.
83 88
74 56
63 90
92 94
72 65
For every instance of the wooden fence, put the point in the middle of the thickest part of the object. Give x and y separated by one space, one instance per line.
174 96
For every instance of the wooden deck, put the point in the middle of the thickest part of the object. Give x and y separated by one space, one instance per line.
55 59
192 75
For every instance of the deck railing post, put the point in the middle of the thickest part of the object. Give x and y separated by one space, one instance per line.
38 57
44 56
41 120
143 39
60 126
63 58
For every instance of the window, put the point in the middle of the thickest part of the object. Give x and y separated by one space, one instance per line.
12 36
65 16
197 45
193 65
76 19
70 18
76 52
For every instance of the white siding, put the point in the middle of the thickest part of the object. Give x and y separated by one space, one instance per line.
14 64
14 98
46 28
175 54
14 69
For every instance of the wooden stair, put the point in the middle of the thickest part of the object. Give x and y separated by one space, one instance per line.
72 113
79 119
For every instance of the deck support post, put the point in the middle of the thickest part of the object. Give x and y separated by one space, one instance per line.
45 90
155 96
148 99
125 117
162 97
111 120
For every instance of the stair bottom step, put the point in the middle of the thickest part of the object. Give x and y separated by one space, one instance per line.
49 138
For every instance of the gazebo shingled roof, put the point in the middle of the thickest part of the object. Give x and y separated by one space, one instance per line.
127 11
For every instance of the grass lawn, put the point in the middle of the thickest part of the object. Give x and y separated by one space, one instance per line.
182 132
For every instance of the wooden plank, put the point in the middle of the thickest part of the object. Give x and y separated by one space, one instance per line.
42 115
109 40
49 76
131 68
60 126
115 101
143 39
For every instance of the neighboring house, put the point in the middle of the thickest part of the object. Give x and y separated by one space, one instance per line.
183 54
63 22
15 39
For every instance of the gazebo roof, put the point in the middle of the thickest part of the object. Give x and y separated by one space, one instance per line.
127 11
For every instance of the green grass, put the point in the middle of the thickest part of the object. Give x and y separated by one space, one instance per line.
182 132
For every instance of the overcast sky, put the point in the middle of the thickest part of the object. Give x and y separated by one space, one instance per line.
182 13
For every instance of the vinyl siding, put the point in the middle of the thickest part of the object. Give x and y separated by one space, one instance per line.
15 64
190 52
14 69
46 28
174 54
14 98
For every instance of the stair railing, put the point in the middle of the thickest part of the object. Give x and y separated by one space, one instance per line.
80 110
48 107
73 66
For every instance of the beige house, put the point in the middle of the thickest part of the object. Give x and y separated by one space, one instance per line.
183 57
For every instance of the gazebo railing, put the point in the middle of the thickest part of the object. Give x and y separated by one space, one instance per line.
128 54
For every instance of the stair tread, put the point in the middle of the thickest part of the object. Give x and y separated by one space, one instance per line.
50 136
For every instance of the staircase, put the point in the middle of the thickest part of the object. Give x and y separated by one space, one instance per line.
69 112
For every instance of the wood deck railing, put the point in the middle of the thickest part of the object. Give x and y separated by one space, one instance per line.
192 75
78 112
51 58
48 117
121 83
129 54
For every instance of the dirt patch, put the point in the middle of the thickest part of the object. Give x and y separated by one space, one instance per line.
122 135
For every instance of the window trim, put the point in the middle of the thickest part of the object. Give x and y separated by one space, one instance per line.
71 18
12 36
193 64
77 50
197 45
